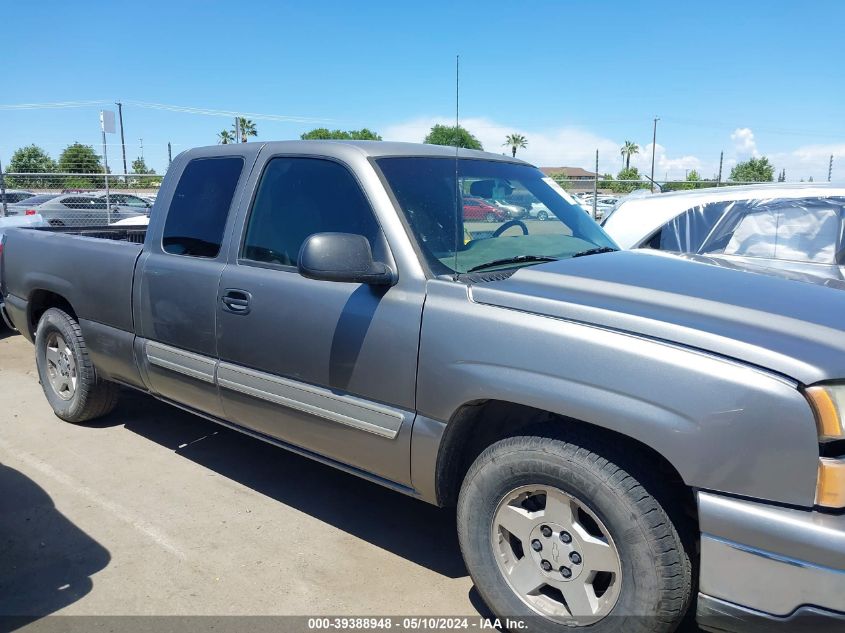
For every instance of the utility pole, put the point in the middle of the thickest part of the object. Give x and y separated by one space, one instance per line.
237 131
830 168
122 140
169 155
653 147
142 147
2 192
721 157
596 189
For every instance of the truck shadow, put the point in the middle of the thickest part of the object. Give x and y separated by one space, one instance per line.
409 528
46 561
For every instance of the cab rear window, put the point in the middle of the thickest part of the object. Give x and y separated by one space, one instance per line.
200 206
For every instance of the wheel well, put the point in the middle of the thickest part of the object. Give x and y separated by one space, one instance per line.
477 425
42 300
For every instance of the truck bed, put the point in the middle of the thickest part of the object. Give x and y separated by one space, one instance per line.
93 268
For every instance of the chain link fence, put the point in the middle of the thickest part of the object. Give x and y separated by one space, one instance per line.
78 199
98 199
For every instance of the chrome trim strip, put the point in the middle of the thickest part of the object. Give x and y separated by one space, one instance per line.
780 558
180 361
324 403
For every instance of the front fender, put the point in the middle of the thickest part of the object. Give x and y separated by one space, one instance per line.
723 425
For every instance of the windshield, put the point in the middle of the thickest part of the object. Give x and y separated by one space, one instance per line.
511 214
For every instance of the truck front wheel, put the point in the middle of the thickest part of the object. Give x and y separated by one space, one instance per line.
557 535
67 375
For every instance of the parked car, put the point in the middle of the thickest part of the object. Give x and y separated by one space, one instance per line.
76 209
626 435
796 228
14 196
478 209
28 205
126 202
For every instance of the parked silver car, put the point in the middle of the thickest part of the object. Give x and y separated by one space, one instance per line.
795 229
126 202
75 209
14 196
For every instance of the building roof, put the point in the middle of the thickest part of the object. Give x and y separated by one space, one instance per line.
568 172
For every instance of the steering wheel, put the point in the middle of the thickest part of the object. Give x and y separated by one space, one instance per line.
508 225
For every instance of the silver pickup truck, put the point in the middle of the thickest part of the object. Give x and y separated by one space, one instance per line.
630 438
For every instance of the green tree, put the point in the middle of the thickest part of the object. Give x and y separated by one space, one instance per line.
246 128
515 141
628 150
139 166
225 137
30 160
452 135
325 134
623 182
80 159
757 169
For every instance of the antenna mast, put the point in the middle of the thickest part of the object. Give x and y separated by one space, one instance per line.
458 205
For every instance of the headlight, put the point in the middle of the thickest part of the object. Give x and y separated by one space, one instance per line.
828 402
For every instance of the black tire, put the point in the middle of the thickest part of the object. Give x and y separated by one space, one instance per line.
56 223
542 216
93 397
656 572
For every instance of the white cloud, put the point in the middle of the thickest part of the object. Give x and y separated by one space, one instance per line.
566 146
573 146
744 142
675 167
811 161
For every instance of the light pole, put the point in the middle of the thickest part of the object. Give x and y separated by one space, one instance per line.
122 140
653 144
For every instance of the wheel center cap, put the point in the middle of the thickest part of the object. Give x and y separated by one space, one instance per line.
557 559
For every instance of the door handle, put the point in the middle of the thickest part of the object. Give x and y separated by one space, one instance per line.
236 301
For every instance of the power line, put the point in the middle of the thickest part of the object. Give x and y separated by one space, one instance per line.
60 105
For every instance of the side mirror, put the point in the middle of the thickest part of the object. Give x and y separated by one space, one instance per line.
342 257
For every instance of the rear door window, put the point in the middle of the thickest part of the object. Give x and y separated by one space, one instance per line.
298 197
200 206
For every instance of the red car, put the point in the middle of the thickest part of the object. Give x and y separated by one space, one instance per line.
478 209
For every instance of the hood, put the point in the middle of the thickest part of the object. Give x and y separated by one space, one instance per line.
792 328
819 274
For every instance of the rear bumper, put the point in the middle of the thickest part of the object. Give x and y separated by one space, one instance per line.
4 316
766 564
15 314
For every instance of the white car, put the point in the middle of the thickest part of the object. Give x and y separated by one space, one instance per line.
140 220
785 227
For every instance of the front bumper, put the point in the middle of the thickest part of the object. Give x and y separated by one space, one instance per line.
766 564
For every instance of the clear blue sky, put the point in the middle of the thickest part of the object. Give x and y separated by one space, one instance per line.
572 76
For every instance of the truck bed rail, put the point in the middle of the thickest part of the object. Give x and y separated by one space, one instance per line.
133 234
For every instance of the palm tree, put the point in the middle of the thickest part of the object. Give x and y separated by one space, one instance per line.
628 149
225 137
245 128
515 141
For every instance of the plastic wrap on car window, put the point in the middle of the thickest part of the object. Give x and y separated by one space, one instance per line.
794 229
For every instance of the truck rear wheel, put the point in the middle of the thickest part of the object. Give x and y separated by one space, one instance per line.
68 376
558 536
